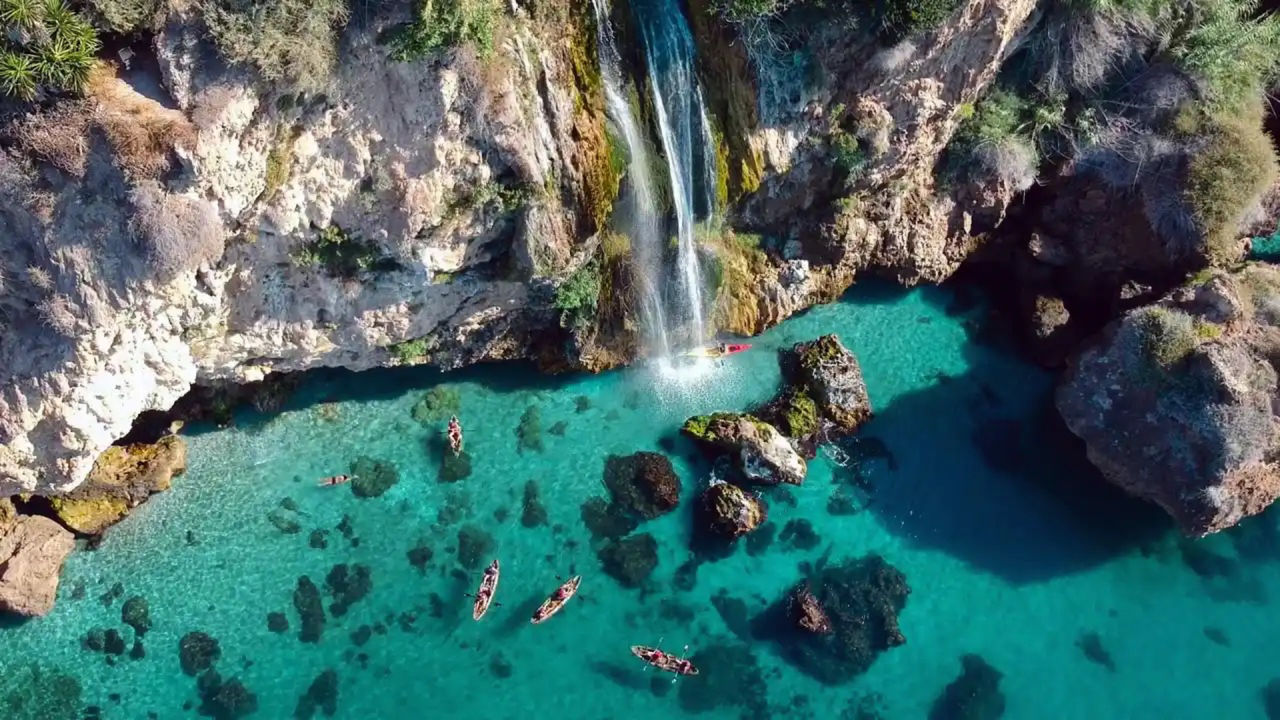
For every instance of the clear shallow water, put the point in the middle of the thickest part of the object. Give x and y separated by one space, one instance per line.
1012 549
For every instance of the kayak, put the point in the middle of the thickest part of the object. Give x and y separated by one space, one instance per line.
484 596
335 480
712 351
552 605
664 661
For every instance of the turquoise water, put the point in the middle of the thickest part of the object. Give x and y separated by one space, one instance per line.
1012 548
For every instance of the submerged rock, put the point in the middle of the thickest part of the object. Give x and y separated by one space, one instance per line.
730 512
761 453
1176 401
32 550
348 584
38 692
122 478
643 484
225 700
113 642
474 547
437 405
372 477
631 560
975 695
197 652
606 520
321 695
419 556
1091 645
799 534
277 622
533 513
760 540
861 600
1271 699
306 600
529 431
729 675
454 467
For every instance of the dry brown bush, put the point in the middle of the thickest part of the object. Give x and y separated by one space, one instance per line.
39 277
58 313
177 232
142 132
59 137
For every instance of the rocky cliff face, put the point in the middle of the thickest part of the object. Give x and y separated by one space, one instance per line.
193 224
847 168
1176 402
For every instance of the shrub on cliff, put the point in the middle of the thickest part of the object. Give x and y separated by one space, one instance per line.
442 24
1167 336
578 296
126 16
1233 52
177 233
341 254
44 45
1235 164
291 41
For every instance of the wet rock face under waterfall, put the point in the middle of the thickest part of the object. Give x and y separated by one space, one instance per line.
412 212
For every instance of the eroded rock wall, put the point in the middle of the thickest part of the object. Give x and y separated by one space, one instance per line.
470 182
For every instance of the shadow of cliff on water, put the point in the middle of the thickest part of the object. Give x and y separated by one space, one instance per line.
984 469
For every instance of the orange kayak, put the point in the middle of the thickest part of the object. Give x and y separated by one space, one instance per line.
552 605
484 596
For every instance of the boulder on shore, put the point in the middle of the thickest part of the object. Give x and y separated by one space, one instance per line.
731 512
32 550
761 453
122 478
1176 404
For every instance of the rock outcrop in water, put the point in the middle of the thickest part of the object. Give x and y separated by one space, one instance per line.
824 396
860 601
760 452
643 485
122 478
1176 400
730 512
974 695
32 550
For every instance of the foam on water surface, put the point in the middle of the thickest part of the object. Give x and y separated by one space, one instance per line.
1012 547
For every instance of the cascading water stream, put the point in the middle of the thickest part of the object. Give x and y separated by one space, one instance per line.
682 125
640 204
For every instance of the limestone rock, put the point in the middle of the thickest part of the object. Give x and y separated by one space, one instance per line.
806 611
32 551
731 512
1176 401
832 376
761 453
122 478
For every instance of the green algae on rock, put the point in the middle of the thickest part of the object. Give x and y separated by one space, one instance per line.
760 452
122 478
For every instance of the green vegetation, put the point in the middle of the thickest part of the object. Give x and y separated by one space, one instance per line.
126 16
799 414
898 19
892 20
1232 50
578 296
1236 163
279 163
443 24
1167 336
847 155
291 41
342 255
410 352
44 45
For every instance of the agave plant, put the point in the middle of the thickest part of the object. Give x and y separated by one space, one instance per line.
21 14
18 75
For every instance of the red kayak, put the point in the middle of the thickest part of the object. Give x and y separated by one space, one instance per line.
718 351
664 661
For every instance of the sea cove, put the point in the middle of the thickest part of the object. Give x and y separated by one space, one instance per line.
1084 600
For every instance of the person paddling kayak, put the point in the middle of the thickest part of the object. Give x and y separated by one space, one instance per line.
455 435
719 350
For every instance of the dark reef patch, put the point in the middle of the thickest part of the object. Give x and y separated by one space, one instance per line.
728 675
197 652
306 600
630 561
474 546
1090 644
372 477
861 599
348 584
321 695
974 695
533 513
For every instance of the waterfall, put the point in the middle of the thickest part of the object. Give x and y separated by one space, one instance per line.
640 219
686 140
685 135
